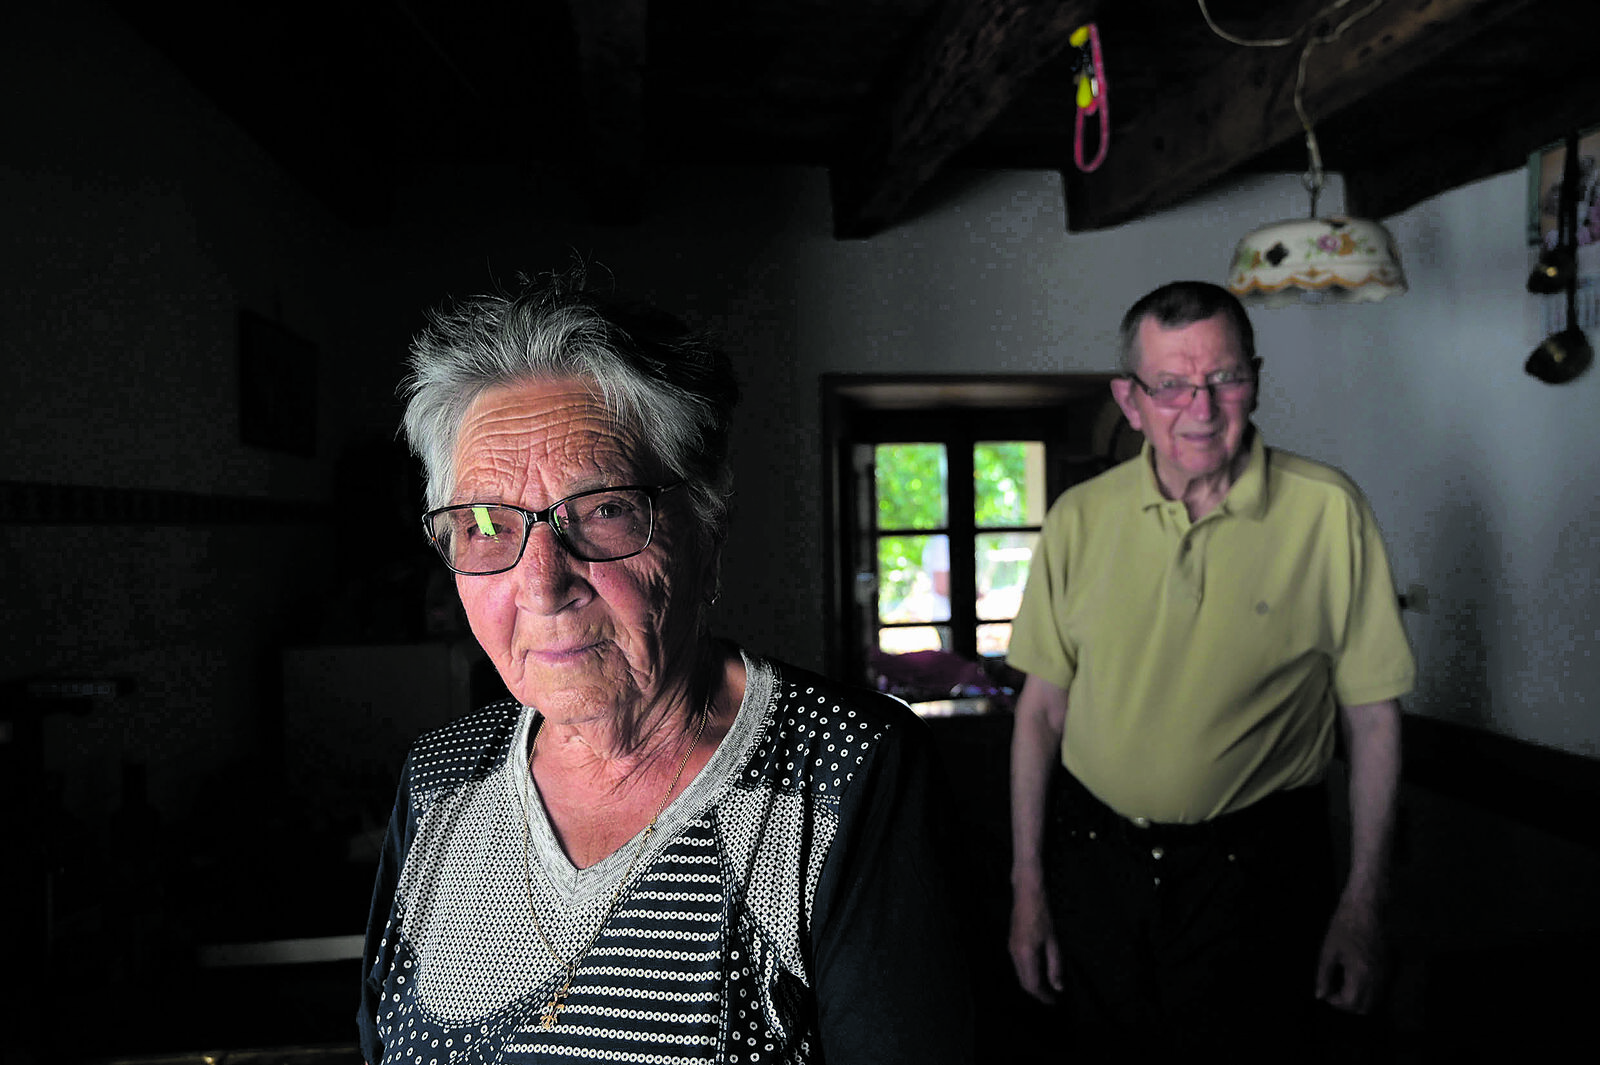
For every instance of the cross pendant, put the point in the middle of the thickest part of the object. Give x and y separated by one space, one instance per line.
553 1008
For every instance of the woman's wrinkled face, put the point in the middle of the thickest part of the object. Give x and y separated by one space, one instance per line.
580 641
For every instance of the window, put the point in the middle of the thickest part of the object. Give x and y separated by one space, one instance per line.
940 486
919 533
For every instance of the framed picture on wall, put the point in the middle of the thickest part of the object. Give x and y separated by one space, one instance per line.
277 387
1544 191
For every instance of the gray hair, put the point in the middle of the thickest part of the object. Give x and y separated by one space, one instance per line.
669 386
1181 303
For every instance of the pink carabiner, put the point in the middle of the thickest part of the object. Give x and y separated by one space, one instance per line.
1098 103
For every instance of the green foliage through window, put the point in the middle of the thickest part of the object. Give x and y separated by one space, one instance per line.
912 491
911 481
999 481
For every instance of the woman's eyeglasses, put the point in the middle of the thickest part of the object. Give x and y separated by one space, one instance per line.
601 525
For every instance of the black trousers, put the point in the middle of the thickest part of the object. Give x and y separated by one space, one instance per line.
1190 939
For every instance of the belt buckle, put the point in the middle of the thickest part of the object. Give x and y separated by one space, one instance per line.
1144 824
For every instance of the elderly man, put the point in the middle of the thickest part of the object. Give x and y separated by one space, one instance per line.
1196 624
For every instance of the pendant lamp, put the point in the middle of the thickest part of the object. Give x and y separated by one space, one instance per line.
1336 259
1333 259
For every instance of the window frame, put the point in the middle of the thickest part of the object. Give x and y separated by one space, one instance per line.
1073 415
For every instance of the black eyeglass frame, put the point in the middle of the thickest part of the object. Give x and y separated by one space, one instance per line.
1250 377
531 518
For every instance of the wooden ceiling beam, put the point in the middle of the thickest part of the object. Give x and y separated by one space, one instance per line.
1472 144
964 69
1246 106
612 53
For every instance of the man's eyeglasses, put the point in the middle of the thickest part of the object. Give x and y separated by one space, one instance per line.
602 525
1224 384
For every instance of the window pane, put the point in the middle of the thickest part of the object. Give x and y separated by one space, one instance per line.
913 578
994 639
912 638
912 485
1002 567
1008 483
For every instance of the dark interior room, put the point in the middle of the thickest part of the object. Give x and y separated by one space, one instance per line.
223 227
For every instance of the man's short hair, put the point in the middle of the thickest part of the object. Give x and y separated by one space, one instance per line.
1182 303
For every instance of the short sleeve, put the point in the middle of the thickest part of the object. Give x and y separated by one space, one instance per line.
1375 662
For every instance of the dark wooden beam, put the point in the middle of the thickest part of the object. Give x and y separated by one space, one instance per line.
963 71
1471 145
611 56
1247 106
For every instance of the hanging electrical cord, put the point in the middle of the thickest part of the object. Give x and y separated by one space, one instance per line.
1339 259
1314 178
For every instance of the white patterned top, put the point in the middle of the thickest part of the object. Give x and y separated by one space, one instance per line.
789 908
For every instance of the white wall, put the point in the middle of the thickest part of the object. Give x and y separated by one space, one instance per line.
1484 478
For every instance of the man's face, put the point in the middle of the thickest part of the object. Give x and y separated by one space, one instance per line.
1200 440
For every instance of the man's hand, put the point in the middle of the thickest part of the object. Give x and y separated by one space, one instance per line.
1351 965
1039 717
1034 953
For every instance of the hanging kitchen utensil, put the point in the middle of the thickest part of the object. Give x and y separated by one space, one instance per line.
1564 355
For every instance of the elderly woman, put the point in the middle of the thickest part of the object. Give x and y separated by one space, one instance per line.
662 848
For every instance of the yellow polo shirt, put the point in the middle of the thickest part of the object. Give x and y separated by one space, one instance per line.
1204 662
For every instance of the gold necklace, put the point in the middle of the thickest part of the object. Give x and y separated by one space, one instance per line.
557 1002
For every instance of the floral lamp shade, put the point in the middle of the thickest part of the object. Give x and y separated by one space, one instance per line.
1316 260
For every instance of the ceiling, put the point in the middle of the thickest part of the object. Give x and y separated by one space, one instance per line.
1412 98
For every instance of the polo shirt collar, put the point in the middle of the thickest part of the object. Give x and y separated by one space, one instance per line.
1247 498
